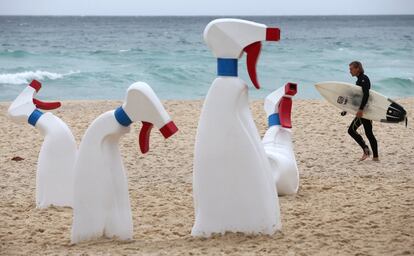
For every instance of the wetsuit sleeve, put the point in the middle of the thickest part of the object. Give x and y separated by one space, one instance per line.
365 84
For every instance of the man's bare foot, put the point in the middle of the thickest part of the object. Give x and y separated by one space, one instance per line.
365 155
376 159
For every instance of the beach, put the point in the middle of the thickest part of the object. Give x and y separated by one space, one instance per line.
343 207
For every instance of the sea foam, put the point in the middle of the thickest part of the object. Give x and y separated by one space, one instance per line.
26 76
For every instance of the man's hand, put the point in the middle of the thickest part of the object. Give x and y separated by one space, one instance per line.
359 114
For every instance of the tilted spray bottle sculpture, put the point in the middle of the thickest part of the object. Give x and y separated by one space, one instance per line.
277 140
235 173
101 202
93 179
54 175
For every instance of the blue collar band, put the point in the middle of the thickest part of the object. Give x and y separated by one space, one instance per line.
227 67
34 117
122 117
274 119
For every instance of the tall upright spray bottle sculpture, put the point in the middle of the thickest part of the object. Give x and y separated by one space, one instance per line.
54 176
101 201
233 186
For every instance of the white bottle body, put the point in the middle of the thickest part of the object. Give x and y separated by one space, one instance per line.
278 145
54 177
232 183
101 201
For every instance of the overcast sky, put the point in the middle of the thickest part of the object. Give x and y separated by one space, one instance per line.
205 7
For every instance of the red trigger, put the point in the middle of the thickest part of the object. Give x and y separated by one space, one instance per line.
144 136
46 105
253 52
285 105
285 110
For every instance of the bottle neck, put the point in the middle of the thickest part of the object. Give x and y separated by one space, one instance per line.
122 117
227 67
273 119
34 117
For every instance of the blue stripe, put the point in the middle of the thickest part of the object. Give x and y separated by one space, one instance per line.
273 119
34 116
227 67
122 117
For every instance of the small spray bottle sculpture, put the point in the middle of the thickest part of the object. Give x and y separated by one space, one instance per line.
277 140
54 176
101 201
235 172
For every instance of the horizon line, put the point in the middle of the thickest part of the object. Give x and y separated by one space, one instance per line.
203 15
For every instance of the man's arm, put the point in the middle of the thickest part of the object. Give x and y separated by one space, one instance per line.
365 84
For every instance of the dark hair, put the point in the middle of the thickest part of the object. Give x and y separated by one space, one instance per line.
358 65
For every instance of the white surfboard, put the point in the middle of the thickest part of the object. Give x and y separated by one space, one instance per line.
348 97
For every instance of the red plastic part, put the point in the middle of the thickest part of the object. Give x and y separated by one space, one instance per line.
169 129
36 85
272 34
285 109
253 53
144 136
46 105
291 89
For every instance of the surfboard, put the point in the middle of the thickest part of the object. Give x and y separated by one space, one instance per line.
348 97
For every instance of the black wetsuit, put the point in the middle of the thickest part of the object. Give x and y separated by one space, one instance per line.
364 82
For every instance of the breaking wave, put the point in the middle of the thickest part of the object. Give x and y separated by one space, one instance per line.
26 76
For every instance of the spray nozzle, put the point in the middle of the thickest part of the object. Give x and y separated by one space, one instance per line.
141 104
41 104
229 38
253 52
25 104
291 89
278 105
272 34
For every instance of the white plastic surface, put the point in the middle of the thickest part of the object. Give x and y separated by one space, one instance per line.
278 146
21 108
227 38
142 104
232 183
101 202
54 176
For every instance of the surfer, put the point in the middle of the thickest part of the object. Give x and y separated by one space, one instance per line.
356 69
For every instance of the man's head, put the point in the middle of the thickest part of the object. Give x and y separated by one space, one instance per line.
355 68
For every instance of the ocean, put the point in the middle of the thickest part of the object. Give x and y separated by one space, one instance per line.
96 57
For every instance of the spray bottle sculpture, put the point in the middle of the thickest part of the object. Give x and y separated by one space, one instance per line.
235 173
91 179
54 175
277 140
101 202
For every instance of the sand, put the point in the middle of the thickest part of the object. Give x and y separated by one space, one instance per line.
343 207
